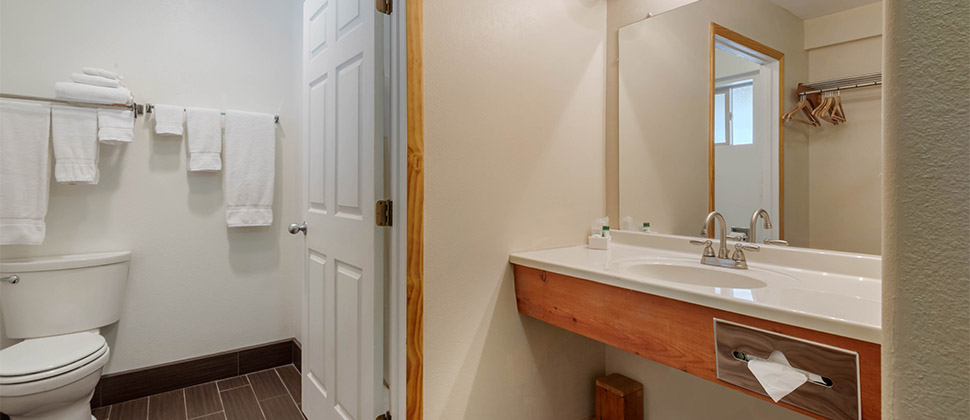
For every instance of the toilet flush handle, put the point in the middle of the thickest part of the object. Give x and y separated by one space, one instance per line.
12 279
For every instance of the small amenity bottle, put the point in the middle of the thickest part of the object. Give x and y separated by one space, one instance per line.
646 227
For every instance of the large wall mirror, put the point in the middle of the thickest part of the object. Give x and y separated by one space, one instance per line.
742 105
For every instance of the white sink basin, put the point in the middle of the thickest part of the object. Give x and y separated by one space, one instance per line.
692 272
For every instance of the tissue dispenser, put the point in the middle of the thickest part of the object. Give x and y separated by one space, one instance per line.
832 389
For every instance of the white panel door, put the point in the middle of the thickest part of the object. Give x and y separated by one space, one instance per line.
343 348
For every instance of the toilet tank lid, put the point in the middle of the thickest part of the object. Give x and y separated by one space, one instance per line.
63 262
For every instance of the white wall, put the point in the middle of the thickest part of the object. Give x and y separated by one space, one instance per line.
195 287
514 121
845 161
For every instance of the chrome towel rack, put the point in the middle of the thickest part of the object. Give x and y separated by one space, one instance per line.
149 108
139 109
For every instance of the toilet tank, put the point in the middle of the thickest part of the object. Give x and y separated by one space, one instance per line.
62 294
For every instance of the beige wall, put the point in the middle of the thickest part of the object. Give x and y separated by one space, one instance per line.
926 269
621 13
514 123
845 161
195 287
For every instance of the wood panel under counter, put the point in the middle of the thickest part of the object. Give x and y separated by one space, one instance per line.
669 331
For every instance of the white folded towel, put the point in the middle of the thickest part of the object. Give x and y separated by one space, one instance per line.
24 174
250 168
116 126
168 119
94 71
88 79
205 139
75 133
80 92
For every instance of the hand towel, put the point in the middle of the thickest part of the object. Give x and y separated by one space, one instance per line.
250 167
94 71
168 119
80 92
116 126
88 79
205 139
24 174
75 133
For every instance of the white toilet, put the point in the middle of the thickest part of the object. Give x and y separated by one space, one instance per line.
57 304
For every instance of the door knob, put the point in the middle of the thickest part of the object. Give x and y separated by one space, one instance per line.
294 228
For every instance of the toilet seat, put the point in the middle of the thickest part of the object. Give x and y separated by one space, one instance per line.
48 357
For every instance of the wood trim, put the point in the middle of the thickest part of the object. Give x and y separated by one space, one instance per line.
415 222
672 332
723 32
710 127
781 149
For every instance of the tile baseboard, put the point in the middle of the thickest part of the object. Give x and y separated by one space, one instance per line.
124 386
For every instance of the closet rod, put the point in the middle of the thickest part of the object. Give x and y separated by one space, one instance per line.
865 80
138 108
151 107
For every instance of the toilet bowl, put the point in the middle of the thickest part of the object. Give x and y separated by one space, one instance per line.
52 378
57 306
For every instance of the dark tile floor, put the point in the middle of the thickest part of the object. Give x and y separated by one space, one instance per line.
272 394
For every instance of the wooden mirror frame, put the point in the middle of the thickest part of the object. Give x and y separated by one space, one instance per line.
718 31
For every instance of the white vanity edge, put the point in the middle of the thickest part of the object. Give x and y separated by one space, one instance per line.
836 262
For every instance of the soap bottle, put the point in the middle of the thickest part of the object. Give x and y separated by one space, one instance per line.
606 232
646 227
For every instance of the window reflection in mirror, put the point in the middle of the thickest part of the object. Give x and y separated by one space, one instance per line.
744 163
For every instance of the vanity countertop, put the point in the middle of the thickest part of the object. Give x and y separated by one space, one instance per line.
840 295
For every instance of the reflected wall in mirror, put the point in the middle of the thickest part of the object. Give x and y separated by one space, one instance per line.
702 90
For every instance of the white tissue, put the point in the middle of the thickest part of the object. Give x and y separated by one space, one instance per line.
596 229
776 375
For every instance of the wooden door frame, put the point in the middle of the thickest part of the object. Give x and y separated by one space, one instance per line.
734 37
415 209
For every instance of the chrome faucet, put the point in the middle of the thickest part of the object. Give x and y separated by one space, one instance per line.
721 259
753 228
722 251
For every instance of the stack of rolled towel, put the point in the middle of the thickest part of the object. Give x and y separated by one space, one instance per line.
100 86
94 85
76 131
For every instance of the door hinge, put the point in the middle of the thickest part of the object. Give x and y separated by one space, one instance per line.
385 416
385 213
385 6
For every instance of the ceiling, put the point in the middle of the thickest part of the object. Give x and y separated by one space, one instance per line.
810 9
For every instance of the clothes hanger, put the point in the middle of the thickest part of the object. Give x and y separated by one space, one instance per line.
839 113
805 106
826 110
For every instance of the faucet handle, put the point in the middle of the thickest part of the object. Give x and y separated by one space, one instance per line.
739 249
746 247
776 242
708 246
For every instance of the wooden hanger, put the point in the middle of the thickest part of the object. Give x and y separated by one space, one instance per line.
805 106
839 113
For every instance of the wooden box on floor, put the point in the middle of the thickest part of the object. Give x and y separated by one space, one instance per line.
618 398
